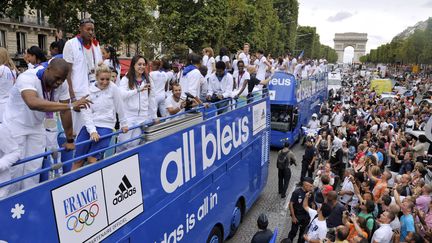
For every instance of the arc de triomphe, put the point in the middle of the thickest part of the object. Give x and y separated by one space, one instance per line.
356 40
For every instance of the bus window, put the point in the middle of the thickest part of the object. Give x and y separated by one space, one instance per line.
281 117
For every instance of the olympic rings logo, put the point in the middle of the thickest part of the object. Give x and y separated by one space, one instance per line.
85 217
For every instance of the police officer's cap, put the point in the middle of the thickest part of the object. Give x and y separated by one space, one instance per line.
308 179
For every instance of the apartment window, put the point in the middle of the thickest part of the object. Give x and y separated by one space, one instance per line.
40 17
21 42
42 39
2 38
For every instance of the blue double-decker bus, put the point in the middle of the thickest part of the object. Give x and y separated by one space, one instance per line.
191 180
292 103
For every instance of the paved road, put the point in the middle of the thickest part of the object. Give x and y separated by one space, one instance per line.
271 203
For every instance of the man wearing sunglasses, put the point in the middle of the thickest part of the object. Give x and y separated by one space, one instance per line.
83 54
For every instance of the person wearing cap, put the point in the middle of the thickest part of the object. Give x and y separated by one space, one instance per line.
83 54
299 216
264 235
309 157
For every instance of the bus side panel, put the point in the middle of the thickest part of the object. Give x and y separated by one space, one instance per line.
192 216
133 188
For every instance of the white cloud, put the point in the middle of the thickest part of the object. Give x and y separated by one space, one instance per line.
339 16
428 4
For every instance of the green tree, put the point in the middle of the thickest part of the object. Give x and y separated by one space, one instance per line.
63 15
287 11
305 40
268 31
241 21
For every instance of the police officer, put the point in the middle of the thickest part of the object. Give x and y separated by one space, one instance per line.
264 235
309 157
300 218
285 158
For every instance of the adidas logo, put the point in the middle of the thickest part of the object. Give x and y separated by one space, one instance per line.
125 191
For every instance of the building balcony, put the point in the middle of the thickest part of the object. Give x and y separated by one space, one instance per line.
28 21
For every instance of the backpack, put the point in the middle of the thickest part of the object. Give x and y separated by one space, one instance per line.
374 227
282 160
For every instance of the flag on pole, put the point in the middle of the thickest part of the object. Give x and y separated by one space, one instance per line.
301 54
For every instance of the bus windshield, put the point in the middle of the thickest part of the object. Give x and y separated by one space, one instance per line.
282 118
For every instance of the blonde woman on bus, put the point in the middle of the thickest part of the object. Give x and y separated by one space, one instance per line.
8 75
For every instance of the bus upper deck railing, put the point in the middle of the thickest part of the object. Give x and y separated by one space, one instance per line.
56 164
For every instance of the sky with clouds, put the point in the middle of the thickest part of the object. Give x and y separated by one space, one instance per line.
380 19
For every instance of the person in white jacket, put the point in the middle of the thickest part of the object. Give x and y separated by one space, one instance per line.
9 154
8 76
191 77
100 118
220 87
160 80
139 101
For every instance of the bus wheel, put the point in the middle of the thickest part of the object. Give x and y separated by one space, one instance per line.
236 218
215 235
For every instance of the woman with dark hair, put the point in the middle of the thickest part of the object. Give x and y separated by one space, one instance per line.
223 56
109 56
34 57
138 98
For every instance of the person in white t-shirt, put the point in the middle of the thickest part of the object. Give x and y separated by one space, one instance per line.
244 56
298 69
317 226
271 60
293 63
347 191
160 80
281 65
410 124
166 68
337 118
35 57
223 56
35 95
8 75
109 55
83 55
384 233
241 79
263 65
209 60
174 103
